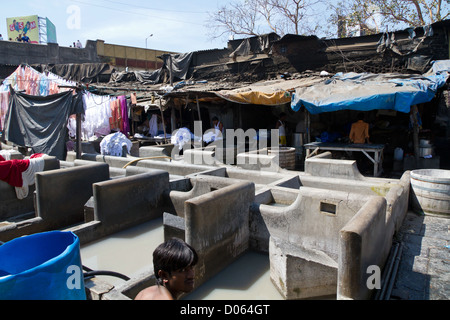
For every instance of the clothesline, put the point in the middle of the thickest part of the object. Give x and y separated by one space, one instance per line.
103 113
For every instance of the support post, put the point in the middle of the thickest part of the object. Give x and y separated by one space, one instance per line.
79 145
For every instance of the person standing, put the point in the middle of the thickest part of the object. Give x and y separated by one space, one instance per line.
1 37
359 132
281 126
217 124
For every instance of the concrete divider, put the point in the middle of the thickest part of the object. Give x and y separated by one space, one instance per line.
217 227
10 205
324 167
201 184
362 244
126 202
309 229
156 151
61 194
60 198
260 160
113 172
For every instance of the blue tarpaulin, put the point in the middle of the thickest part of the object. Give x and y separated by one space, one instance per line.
368 91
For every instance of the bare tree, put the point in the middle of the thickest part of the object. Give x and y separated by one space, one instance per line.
414 12
372 14
257 17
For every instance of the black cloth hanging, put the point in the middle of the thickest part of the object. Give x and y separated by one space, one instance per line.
40 123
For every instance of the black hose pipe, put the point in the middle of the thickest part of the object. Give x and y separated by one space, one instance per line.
105 273
91 273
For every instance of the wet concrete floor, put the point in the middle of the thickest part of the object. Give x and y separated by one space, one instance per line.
424 268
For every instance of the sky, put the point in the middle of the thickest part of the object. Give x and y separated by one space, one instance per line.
171 25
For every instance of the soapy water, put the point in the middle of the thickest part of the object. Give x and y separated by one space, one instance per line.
129 252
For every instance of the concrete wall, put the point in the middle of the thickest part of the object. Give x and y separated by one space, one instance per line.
200 185
123 203
362 245
10 205
217 227
297 217
61 194
16 53
59 200
214 220
132 57
309 229
175 168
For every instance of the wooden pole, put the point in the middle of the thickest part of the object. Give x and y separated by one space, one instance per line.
163 122
308 126
198 109
171 70
414 111
79 144
199 115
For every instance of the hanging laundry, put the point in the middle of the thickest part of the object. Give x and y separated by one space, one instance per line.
124 112
4 102
116 116
41 122
36 164
153 124
11 171
96 117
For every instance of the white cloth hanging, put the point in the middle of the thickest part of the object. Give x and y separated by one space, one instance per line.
153 124
28 177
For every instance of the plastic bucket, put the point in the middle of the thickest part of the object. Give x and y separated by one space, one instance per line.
431 191
43 266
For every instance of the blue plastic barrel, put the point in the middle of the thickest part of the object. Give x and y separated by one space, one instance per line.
42 266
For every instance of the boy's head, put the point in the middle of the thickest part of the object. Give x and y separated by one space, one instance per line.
172 258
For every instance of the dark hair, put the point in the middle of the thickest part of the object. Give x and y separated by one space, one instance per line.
282 115
173 255
360 116
215 119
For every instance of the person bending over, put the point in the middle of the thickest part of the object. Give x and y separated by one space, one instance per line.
173 264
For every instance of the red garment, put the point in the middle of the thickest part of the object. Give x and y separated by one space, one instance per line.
37 155
11 171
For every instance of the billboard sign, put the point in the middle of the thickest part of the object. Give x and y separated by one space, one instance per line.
51 32
23 26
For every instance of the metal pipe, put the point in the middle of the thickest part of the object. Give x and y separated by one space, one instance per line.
394 273
387 273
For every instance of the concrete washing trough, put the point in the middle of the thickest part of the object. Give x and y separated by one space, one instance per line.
320 229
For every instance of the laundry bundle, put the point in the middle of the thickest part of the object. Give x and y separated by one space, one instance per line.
112 145
21 173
